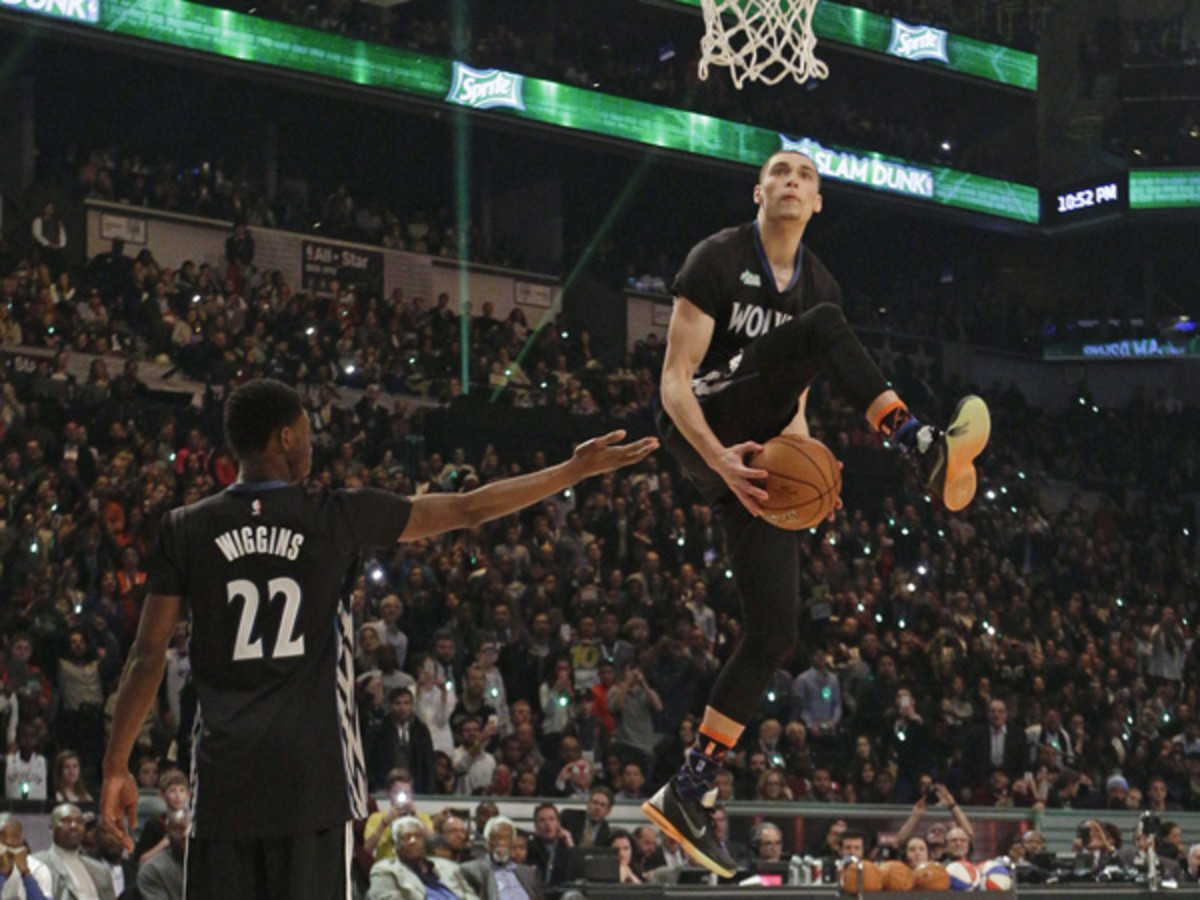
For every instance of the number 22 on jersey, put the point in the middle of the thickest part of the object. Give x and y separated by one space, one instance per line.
287 642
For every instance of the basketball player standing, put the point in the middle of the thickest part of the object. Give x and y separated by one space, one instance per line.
757 317
277 770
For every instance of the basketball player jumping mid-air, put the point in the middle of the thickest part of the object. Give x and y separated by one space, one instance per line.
757 317
262 567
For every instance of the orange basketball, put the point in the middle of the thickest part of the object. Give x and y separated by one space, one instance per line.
804 481
872 879
931 876
897 876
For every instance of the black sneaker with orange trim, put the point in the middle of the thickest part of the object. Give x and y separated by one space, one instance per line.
691 823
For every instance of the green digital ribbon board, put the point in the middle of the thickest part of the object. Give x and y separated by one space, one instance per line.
1164 189
882 34
233 35
1148 349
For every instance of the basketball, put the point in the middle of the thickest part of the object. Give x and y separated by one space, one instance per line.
931 876
897 876
872 877
963 876
804 481
996 876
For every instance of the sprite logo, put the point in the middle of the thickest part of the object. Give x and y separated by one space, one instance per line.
917 42
485 88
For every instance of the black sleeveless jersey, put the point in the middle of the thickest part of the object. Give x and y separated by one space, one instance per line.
263 570
727 276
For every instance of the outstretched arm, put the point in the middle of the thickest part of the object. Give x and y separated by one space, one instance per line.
437 513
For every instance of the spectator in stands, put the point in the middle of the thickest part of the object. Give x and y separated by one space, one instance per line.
633 703
455 845
69 786
50 235
161 878
589 827
377 833
33 877
156 832
412 875
25 775
621 841
549 850
915 850
497 876
766 840
817 703
995 745
935 842
1191 872
402 742
73 874
647 853
81 707
473 764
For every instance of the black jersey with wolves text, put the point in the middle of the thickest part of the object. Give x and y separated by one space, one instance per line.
728 277
262 570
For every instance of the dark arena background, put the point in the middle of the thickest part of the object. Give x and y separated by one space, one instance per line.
454 227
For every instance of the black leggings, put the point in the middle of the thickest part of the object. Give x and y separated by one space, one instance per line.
758 400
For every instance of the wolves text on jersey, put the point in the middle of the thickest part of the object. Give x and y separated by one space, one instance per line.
755 320
238 542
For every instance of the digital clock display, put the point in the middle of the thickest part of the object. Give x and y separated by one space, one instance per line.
1094 197
1100 195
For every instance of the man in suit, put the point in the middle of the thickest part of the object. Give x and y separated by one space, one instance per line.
590 827
994 746
550 849
411 875
737 852
496 875
402 741
72 874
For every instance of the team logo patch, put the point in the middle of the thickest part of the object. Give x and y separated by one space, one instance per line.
753 279
256 507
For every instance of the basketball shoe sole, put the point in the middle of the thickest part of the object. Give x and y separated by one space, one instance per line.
690 823
954 476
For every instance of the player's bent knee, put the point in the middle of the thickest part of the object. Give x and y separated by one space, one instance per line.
826 318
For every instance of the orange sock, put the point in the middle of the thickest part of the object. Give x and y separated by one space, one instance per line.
890 418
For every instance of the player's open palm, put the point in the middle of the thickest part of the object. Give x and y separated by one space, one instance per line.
118 807
731 465
605 453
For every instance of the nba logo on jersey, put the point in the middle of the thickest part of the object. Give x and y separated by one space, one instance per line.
256 507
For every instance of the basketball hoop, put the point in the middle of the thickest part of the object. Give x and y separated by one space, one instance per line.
760 40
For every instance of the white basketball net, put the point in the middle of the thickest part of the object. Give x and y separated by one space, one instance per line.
760 40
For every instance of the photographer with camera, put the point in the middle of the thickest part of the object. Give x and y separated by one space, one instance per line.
1144 856
938 796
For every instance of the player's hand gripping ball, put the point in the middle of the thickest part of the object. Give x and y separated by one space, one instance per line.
803 484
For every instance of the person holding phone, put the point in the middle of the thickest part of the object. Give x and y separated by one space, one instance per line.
934 796
377 833
634 703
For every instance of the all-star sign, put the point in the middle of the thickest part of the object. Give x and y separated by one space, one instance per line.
75 10
868 171
486 88
917 42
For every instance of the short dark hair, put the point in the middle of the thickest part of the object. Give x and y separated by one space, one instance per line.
399 692
546 805
255 411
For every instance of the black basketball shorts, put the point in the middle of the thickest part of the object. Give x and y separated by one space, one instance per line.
309 866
